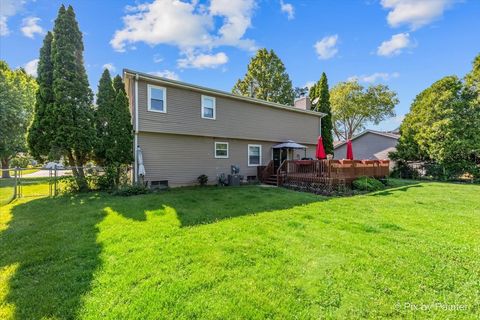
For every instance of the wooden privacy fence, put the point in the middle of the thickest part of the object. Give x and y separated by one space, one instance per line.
329 172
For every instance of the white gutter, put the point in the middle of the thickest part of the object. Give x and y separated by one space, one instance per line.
136 129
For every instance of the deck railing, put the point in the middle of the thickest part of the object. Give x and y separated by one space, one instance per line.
328 171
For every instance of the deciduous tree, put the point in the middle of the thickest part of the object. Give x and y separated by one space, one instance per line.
266 79
442 128
353 107
17 100
300 92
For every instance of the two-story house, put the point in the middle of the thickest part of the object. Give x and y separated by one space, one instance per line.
184 130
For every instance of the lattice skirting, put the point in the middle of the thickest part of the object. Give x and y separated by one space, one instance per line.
328 186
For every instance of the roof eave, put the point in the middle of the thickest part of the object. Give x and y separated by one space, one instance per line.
363 133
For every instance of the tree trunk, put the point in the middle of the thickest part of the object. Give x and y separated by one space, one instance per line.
117 176
78 173
5 171
81 181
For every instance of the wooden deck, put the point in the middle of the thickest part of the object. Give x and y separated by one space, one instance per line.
326 172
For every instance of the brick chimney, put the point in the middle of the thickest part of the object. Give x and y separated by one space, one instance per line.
302 103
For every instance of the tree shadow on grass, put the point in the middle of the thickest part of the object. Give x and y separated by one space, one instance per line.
394 190
203 205
51 243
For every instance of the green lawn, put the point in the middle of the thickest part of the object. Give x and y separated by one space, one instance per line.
31 187
243 253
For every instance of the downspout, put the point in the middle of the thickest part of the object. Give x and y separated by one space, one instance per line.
320 126
136 129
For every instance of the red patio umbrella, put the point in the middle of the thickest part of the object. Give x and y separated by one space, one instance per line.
320 153
349 150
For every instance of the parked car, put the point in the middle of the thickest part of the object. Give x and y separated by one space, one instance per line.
52 165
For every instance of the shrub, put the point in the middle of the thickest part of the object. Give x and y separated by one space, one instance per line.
69 185
113 177
367 184
404 171
20 161
202 180
131 190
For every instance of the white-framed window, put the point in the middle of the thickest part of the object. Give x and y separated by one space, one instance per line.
208 107
221 150
157 98
254 155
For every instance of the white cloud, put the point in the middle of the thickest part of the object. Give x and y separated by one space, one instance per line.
3 26
237 17
187 25
166 74
164 21
202 61
288 9
326 48
110 67
415 13
157 58
31 67
309 84
395 45
30 27
8 8
374 77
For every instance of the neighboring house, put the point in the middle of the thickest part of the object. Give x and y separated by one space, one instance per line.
185 130
370 144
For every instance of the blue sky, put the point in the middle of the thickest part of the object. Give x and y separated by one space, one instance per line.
406 44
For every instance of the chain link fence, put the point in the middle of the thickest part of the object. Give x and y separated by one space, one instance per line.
18 183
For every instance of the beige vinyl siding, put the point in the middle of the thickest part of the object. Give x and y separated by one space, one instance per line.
234 118
182 158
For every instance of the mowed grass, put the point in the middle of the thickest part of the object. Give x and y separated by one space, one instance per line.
244 253
31 187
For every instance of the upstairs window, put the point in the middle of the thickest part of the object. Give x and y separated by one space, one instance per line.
157 99
221 150
254 155
208 107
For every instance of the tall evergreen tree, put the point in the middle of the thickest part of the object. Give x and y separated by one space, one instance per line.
313 93
105 104
320 91
118 84
114 129
121 151
266 79
73 125
40 131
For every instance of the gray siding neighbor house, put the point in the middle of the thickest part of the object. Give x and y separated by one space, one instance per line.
185 130
370 144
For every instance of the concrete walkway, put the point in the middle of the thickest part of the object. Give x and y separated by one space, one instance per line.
46 173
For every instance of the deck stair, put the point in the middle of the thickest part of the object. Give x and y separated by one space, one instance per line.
271 180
